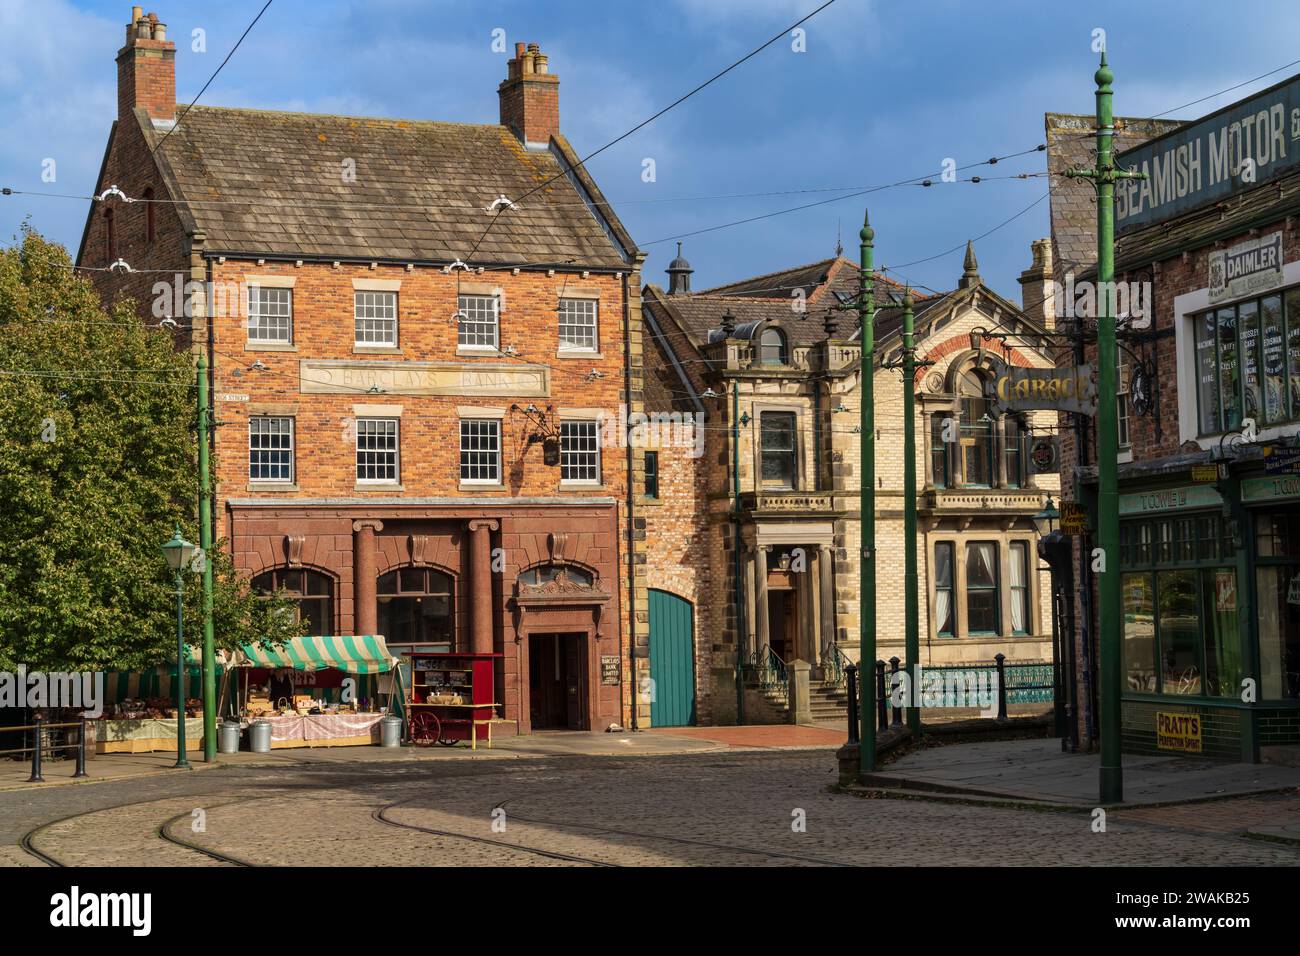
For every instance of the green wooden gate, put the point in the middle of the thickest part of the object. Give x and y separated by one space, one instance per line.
672 660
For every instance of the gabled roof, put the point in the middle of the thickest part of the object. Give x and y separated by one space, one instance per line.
815 279
1071 141
279 184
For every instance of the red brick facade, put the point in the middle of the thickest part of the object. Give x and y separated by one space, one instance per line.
487 538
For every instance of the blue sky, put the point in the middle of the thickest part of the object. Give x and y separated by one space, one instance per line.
884 91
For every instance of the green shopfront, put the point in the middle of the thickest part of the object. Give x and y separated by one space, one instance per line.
1211 605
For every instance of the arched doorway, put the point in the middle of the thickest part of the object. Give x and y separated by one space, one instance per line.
672 660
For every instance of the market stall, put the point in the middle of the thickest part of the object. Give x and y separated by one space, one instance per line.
140 708
315 691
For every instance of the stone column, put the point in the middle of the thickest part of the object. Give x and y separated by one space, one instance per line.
480 602
826 577
747 646
761 632
365 608
806 626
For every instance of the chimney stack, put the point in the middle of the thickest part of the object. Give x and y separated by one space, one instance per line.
146 69
1037 292
530 97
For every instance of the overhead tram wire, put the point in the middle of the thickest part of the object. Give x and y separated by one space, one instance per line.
178 119
618 139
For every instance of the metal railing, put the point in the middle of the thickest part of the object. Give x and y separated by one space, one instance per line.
835 664
1027 683
40 744
765 668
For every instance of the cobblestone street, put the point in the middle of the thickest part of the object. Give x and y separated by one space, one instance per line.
720 808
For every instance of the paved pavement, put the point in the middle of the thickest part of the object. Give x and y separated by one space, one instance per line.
1037 770
736 806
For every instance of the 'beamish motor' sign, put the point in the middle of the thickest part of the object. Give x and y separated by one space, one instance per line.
1226 152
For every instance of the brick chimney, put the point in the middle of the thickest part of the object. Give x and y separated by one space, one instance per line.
146 68
1037 292
530 97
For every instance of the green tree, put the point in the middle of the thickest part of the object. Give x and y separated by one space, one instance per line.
98 459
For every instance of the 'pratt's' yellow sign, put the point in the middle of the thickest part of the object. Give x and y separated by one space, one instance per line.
1180 732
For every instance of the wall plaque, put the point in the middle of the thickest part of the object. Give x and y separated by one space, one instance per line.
610 668
506 380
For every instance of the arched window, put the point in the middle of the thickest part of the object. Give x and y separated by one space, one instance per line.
415 606
547 573
313 592
973 459
771 348
148 214
110 237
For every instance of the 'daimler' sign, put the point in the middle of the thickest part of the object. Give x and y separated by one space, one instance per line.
1205 161
1071 389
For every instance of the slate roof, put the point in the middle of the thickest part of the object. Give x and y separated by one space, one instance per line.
1071 141
270 183
1269 201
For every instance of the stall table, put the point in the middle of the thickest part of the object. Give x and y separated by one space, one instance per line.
323 730
138 735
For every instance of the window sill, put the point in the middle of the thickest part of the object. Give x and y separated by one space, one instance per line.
643 501
578 354
376 350
380 486
272 486
481 486
476 350
270 347
577 486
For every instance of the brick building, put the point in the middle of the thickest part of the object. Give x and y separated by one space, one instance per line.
779 354
1209 498
408 402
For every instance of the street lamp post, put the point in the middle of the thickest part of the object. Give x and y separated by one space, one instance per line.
867 502
179 553
1104 175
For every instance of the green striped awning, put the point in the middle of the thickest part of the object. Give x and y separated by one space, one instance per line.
355 654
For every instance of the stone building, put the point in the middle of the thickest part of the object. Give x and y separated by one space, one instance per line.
414 329
776 359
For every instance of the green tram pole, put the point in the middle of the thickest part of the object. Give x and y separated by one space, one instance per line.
911 599
205 542
736 592
1104 176
867 507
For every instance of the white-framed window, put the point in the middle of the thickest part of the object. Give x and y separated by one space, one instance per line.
579 452
578 325
270 448
375 314
270 314
480 451
1124 408
480 318
377 443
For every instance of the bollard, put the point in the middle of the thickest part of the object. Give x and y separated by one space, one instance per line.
1002 685
81 751
36 755
851 676
893 682
882 698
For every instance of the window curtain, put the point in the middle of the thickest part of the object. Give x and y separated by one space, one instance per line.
984 557
943 588
1019 594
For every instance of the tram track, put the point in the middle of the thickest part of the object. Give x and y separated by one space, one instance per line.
161 831
684 841
379 815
